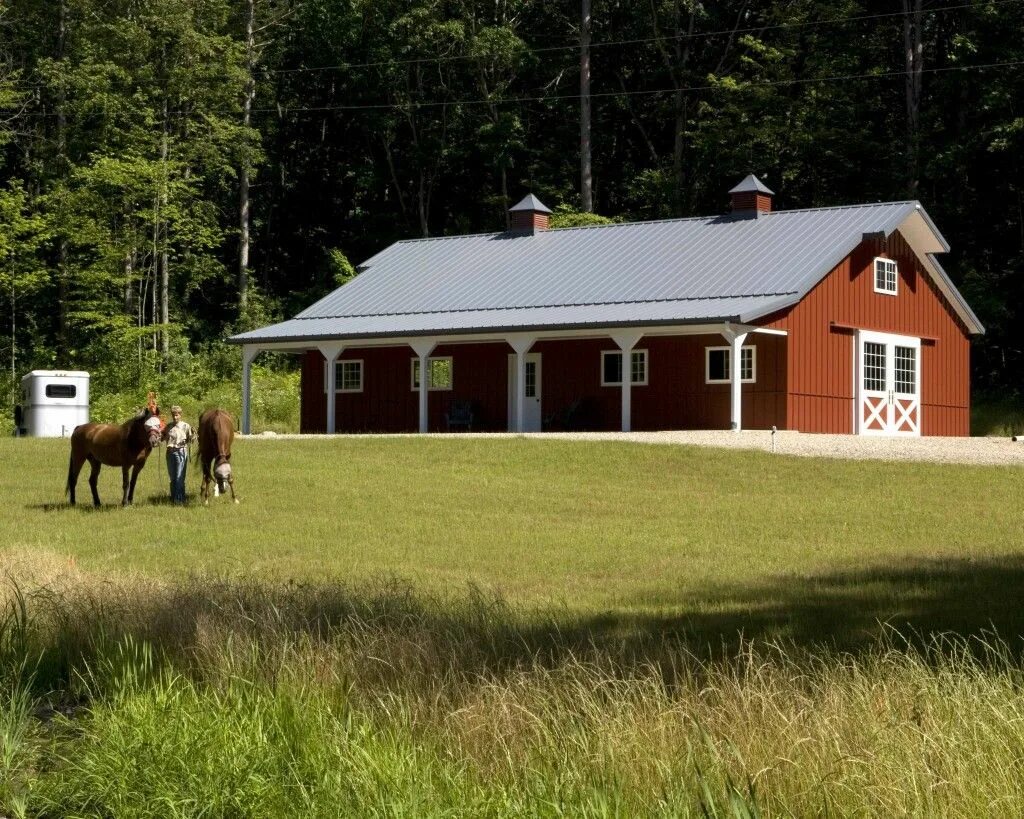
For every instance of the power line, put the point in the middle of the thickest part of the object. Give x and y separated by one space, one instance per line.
638 41
599 44
565 97
383 106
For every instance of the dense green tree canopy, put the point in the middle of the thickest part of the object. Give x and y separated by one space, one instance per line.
144 145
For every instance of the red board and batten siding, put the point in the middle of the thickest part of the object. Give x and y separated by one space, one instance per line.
675 396
821 354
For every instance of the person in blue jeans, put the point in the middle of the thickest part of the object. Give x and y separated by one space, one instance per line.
178 436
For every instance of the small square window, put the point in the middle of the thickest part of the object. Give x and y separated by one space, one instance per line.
348 375
885 276
718 365
440 373
611 368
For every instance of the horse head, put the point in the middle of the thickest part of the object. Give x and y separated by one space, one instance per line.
222 473
149 421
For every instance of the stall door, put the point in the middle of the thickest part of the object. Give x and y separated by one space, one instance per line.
888 390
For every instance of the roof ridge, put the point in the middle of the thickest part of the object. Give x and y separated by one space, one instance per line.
671 220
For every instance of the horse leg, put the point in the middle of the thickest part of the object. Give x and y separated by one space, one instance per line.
74 468
204 492
231 483
94 478
130 487
125 495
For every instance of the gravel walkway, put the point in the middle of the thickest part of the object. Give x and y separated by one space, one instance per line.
943 450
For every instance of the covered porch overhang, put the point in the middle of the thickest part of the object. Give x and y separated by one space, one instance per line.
520 341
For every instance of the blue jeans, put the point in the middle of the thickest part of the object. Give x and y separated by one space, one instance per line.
177 461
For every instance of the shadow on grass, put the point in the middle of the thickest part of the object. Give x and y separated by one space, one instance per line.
108 506
81 506
393 635
849 611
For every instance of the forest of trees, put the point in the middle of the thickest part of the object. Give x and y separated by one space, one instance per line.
172 171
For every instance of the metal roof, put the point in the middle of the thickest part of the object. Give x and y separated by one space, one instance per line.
530 203
751 184
669 271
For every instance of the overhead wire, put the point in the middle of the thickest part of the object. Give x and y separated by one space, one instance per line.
282 110
441 58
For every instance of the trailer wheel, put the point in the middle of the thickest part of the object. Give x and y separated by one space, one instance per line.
19 416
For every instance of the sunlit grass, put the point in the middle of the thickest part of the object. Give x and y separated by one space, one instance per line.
584 524
513 627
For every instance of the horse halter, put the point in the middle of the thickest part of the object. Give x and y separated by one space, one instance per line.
152 426
222 468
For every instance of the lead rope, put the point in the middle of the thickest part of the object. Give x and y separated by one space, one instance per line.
156 472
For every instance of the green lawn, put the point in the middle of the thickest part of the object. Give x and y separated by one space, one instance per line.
425 627
786 543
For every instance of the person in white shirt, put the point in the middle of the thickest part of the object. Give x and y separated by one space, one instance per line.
178 436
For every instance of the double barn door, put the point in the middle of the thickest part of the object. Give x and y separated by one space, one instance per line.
888 372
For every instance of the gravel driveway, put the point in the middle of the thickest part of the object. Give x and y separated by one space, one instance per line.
943 450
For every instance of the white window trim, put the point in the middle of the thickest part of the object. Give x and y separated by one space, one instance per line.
753 365
647 368
896 276
338 363
430 387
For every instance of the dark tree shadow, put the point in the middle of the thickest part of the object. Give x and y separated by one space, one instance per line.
404 635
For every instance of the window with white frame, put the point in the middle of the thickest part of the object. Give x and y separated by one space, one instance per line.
348 375
440 373
718 365
885 276
611 368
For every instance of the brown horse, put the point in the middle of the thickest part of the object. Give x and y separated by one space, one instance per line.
216 432
126 446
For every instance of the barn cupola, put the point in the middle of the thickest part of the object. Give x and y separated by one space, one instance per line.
751 198
530 215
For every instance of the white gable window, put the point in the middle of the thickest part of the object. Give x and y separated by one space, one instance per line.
348 375
611 368
885 276
440 373
718 365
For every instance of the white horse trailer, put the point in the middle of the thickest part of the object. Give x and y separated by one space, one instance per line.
53 403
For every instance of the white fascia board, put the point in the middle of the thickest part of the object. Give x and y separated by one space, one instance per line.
300 346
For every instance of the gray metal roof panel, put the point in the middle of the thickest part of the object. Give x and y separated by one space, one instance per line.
751 184
496 280
640 261
530 203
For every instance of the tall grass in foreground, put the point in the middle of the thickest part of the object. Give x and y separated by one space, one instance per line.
225 699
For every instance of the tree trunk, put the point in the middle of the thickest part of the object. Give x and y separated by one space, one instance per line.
165 276
14 355
586 178
243 172
914 53
63 341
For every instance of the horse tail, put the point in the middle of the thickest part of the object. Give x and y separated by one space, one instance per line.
71 466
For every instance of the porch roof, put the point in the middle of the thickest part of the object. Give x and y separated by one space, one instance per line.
675 271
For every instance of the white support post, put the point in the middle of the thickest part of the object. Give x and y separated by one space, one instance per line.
735 340
423 348
249 352
521 344
331 353
627 341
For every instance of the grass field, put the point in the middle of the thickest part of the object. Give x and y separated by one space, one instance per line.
508 627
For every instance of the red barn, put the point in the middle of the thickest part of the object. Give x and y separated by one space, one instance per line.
821 320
